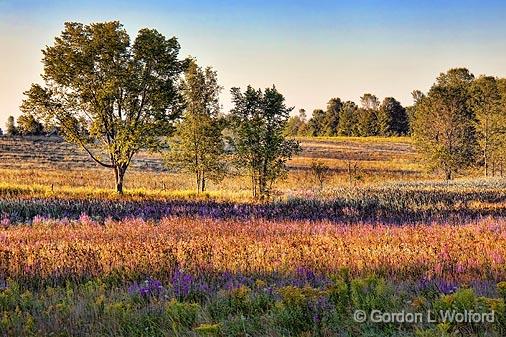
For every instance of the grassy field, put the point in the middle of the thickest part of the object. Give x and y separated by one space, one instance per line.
52 162
383 234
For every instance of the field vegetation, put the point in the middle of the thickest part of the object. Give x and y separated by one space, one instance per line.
131 205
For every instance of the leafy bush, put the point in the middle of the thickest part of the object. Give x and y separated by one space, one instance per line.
182 315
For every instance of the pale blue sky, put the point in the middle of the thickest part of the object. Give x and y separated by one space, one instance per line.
310 50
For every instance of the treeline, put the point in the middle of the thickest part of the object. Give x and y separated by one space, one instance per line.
371 118
460 123
25 125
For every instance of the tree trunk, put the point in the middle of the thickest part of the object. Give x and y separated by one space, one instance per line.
485 158
197 174
448 175
254 183
119 174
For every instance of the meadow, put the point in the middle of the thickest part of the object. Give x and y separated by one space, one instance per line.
381 234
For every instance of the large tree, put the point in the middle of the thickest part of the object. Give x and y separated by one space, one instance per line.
491 126
368 115
331 120
316 124
348 119
198 145
410 110
444 124
392 118
499 153
258 120
108 95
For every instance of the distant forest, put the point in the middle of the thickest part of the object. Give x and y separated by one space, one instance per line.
371 118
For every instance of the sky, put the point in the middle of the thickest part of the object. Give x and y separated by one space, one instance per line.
311 50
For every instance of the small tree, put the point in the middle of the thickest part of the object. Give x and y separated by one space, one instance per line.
198 145
28 125
296 125
10 127
109 96
354 173
258 120
410 110
320 171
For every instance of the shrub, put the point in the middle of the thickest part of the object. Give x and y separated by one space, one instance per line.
182 315
501 289
372 293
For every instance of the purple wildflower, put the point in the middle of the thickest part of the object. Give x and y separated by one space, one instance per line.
147 289
182 284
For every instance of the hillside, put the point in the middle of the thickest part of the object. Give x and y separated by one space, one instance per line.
54 153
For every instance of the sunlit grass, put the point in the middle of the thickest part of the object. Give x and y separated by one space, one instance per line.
135 247
370 139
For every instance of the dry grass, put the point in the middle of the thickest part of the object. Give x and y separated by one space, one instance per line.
353 160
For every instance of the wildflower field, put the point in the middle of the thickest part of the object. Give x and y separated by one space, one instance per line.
81 261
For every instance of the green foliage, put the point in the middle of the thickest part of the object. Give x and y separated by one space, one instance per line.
297 311
444 124
320 172
208 329
258 121
465 301
491 119
372 293
10 127
297 125
28 125
182 315
348 120
340 293
441 330
96 308
368 115
101 89
392 118
198 146
501 289
316 124
367 122
331 120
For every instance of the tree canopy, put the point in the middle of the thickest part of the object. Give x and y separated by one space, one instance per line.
258 121
108 95
198 146
444 124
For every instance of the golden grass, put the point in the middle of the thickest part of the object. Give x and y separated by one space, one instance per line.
55 249
374 160
371 139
